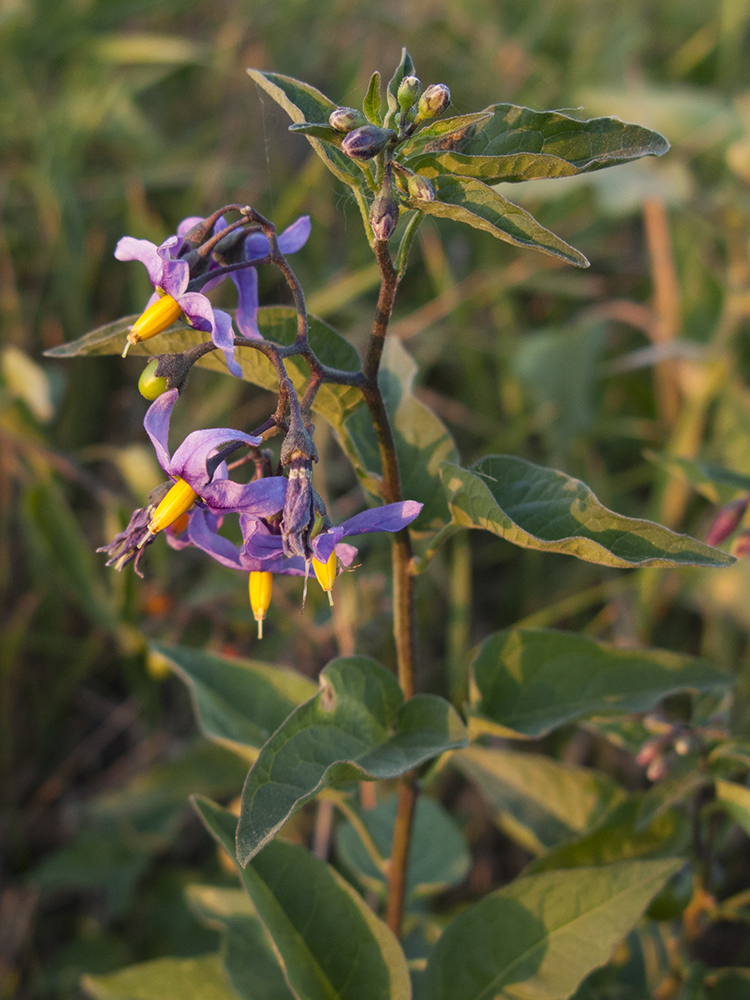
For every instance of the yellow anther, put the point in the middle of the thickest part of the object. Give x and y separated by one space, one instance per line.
159 315
260 596
177 502
325 573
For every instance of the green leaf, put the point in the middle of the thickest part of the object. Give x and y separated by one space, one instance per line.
304 103
464 199
329 942
685 777
422 440
357 726
538 937
527 682
441 131
276 323
491 169
717 484
621 837
404 68
535 800
438 855
734 799
540 508
372 106
320 130
237 702
164 979
734 751
249 961
586 144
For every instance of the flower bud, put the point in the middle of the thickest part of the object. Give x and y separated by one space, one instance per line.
433 102
727 521
420 188
384 214
367 141
346 119
408 92
151 385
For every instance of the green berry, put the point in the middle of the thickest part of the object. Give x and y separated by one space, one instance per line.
151 385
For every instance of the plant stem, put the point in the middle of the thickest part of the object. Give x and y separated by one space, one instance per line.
403 578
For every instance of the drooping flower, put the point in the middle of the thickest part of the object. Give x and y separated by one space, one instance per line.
170 277
190 469
328 548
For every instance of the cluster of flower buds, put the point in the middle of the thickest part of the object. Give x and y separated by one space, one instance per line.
364 139
670 740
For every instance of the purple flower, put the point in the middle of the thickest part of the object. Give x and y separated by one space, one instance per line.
391 517
256 247
263 497
170 277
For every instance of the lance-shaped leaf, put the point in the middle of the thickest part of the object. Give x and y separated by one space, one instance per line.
249 961
464 199
527 682
277 323
372 103
404 68
540 508
329 943
320 130
438 855
491 169
734 799
538 937
304 104
586 144
164 979
237 702
422 439
357 726
535 800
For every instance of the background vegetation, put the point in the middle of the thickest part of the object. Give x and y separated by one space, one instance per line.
125 118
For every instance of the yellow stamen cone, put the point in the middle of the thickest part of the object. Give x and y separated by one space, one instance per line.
326 574
177 502
160 315
260 585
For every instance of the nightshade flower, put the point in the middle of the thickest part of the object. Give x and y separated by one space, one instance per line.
193 480
170 277
327 548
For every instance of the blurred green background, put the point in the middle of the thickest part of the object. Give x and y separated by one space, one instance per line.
123 118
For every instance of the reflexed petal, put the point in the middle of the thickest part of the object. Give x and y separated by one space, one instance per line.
295 236
391 517
264 497
256 246
246 281
187 224
209 541
128 248
223 337
197 308
261 544
189 461
156 423
345 553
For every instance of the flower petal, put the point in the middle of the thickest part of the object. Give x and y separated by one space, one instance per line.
223 337
295 236
128 248
218 547
156 424
189 461
391 517
246 281
198 309
263 497
324 544
175 274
